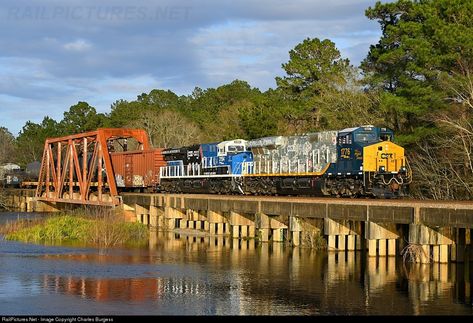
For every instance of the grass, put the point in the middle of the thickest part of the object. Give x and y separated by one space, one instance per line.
313 240
99 227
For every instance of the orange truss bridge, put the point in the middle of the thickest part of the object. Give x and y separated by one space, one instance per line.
78 168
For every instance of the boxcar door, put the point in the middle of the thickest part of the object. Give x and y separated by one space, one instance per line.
128 171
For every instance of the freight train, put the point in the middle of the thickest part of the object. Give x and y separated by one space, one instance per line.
354 162
18 177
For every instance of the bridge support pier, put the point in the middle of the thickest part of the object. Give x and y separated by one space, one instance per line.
142 214
306 232
295 228
40 206
239 224
262 225
278 227
270 227
170 216
381 238
458 250
216 222
342 234
153 216
434 243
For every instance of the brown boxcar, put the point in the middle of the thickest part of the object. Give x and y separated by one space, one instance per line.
137 169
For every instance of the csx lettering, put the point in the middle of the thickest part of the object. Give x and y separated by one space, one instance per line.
386 156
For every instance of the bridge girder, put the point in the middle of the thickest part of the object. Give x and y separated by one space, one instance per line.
81 162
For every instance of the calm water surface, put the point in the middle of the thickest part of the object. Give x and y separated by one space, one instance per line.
189 275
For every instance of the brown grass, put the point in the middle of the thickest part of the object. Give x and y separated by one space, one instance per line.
16 225
413 253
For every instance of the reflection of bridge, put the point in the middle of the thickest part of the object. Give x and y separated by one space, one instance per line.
272 278
363 284
442 230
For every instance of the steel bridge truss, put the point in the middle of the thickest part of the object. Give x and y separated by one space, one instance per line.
78 168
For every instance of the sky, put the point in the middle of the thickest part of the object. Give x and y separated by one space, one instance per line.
55 53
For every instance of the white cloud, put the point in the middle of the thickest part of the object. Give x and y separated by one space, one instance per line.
254 51
79 45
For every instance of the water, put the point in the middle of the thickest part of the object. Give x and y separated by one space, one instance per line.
189 275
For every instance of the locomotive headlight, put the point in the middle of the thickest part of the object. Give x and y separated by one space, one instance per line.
403 169
382 169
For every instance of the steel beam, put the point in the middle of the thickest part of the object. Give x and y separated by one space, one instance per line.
61 164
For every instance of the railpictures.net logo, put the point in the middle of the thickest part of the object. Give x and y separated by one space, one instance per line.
113 13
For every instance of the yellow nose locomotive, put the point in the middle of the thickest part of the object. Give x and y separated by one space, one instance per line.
369 163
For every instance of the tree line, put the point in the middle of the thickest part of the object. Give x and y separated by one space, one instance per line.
415 80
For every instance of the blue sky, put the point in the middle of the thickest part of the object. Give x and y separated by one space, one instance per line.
57 52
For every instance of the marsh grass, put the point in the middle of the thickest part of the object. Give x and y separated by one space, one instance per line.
19 224
110 228
91 226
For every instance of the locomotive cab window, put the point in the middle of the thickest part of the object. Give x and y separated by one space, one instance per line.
235 149
385 137
365 137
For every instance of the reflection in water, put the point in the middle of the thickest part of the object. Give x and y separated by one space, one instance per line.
129 289
201 275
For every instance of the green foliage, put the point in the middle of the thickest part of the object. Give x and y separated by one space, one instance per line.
30 141
54 229
421 42
311 65
134 232
82 117
83 229
205 104
159 99
314 67
348 104
124 112
7 146
261 118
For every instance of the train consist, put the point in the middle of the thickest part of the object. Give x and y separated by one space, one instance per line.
361 161
354 162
